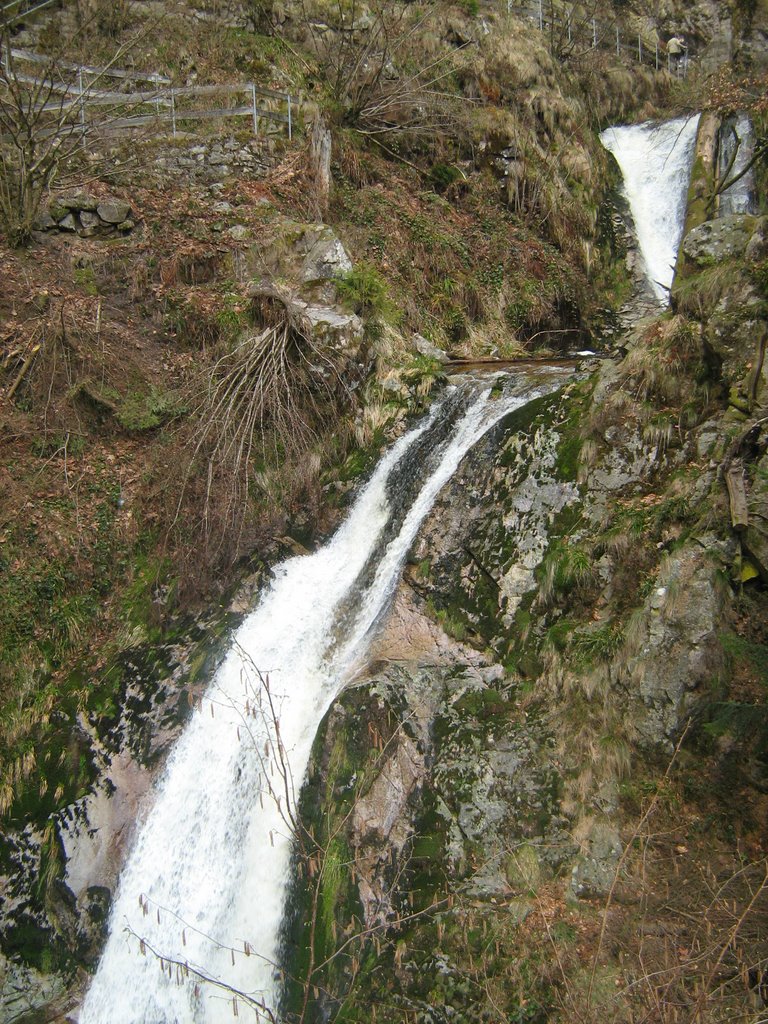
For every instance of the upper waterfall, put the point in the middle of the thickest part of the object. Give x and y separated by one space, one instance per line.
655 161
204 887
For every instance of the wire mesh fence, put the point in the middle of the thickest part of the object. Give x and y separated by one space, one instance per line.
574 29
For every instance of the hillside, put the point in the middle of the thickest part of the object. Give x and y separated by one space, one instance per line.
207 339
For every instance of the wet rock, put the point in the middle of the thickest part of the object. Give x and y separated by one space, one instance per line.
718 240
24 990
378 816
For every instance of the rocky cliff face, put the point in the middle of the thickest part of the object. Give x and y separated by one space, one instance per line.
583 570
562 722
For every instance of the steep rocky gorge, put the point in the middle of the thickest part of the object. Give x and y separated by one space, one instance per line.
567 671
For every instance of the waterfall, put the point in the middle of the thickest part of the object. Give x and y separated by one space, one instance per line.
208 871
737 148
655 161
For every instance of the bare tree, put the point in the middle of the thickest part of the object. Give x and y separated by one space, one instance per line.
380 76
43 127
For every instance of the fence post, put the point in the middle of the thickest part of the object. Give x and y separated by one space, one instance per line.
594 34
255 116
570 14
657 54
541 15
173 111
640 49
618 44
290 121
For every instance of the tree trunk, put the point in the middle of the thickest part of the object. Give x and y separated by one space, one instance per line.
320 163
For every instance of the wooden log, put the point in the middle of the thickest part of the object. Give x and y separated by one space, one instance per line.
23 371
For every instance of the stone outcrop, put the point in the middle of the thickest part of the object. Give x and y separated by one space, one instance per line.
717 240
679 664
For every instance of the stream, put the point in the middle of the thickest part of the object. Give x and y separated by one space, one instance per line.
202 893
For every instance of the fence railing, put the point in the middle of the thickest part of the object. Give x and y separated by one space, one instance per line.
578 33
164 103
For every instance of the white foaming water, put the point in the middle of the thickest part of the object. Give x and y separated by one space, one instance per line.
655 161
210 866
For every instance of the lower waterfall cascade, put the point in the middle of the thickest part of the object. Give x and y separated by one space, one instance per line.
655 161
209 868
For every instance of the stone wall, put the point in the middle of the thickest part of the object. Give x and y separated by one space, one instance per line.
206 160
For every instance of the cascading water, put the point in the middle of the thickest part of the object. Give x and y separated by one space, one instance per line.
655 161
208 872
737 148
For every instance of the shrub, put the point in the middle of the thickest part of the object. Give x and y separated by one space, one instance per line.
365 290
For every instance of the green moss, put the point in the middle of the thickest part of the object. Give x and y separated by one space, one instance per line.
522 868
452 621
568 453
85 279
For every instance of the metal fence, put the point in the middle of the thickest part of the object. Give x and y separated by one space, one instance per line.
576 33
81 92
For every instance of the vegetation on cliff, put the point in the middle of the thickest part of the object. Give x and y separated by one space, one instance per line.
166 428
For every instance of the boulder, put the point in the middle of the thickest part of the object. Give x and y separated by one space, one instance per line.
757 248
89 220
326 259
44 222
113 211
425 348
333 328
68 223
717 240
79 201
58 211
